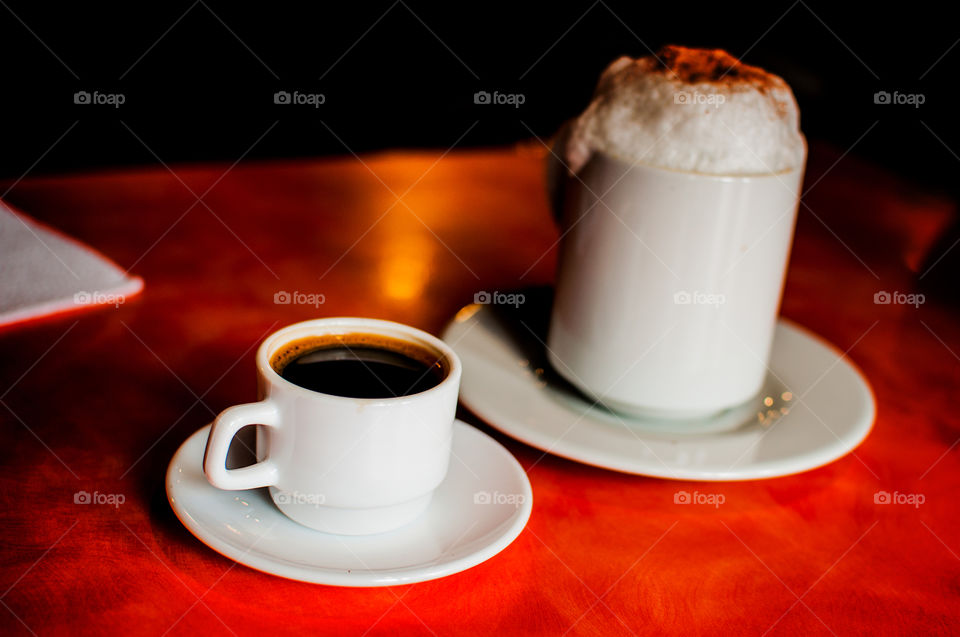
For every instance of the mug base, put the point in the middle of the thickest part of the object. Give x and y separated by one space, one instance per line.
654 413
691 422
349 521
698 419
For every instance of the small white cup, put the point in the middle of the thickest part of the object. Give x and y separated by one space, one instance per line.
669 285
351 466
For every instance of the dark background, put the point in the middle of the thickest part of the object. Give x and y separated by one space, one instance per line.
199 77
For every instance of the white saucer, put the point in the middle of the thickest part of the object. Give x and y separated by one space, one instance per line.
478 510
815 407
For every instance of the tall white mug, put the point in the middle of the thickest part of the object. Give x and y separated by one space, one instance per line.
669 285
351 466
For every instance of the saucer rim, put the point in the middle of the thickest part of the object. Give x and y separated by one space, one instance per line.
360 578
856 432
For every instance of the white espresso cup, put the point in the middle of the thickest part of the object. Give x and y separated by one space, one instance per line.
351 466
669 285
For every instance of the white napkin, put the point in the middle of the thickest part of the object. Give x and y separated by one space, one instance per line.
44 272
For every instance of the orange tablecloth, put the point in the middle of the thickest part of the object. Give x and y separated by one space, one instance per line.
99 401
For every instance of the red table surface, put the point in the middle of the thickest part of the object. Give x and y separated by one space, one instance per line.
99 401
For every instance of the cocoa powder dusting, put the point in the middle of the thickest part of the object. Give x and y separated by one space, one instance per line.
714 66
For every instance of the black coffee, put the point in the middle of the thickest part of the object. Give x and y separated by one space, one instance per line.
359 366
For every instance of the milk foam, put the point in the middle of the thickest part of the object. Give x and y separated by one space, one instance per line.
692 110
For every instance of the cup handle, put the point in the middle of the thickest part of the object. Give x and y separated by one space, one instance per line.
224 428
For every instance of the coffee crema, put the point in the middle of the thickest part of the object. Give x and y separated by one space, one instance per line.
359 365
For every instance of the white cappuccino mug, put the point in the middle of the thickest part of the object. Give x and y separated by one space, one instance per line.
669 285
339 464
